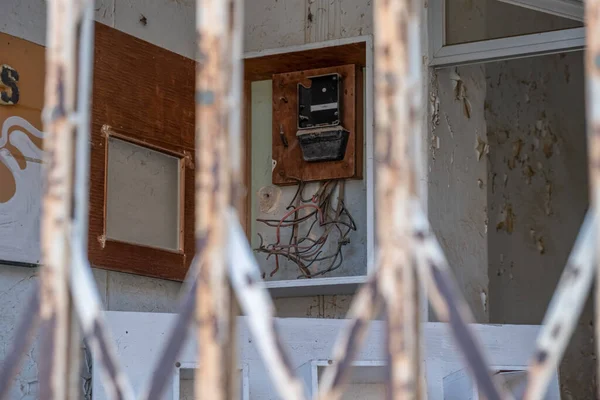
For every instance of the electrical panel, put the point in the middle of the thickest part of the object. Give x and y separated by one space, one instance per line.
320 135
317 125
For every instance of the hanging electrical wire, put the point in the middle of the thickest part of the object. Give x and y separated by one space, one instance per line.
326 224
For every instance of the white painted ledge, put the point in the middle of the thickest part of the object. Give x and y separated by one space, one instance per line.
140 339
315 286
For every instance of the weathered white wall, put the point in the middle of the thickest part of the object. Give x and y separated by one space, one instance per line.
457 179
535 117
536 127
508 221
533 182
272 24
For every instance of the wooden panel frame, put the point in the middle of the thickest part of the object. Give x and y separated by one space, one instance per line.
290 166
158 114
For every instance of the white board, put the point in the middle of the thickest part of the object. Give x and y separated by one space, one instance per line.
141 337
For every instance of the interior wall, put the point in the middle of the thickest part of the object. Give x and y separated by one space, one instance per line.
538 165
534 184
461 187
458 178
538 195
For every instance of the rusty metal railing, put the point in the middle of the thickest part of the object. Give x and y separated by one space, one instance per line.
409 256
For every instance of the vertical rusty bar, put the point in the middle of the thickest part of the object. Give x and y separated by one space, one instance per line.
218 105
56 372
88 304
213 185
592 73
398 117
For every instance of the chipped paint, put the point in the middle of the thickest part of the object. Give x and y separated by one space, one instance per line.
484 304
434 109
458 180
481 147
506 219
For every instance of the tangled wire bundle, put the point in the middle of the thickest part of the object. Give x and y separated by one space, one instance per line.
305 247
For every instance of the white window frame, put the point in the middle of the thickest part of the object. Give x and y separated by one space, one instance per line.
569 9
442 55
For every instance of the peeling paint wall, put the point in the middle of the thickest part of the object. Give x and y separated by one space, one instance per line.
508 190
272 24
535 116
530 191
536 128
458 178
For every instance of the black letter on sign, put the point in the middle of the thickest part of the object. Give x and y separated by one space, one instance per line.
9 78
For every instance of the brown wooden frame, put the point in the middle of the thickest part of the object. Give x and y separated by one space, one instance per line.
159 116
290 165
264 67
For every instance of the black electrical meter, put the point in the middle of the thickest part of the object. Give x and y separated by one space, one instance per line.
320 133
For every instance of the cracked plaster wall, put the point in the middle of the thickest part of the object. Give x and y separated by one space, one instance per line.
170 24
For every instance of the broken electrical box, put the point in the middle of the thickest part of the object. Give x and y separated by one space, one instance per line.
317 124
320 134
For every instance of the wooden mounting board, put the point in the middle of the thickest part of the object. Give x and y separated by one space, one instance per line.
146 95
289 165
